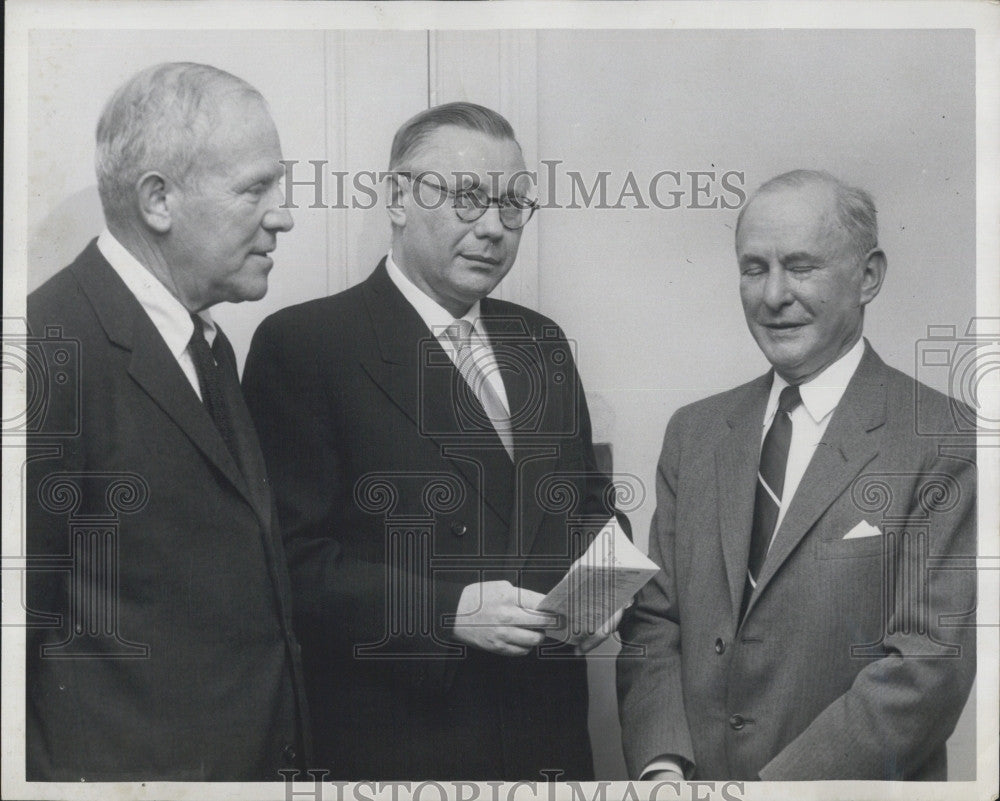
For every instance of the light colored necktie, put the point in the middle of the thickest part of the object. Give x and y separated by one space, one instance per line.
460 334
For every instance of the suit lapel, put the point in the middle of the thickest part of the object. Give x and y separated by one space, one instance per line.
850 442
413 370
736 457
152 366
524 376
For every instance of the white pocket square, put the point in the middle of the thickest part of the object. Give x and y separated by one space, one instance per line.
863 529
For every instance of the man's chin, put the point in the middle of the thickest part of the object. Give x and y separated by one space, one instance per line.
479 287
787 361
256 291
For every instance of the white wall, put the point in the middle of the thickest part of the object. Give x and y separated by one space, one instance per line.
649 295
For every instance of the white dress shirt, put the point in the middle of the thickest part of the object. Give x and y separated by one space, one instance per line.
820 397
166 312
438 319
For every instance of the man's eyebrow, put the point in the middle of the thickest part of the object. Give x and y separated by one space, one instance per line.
798 255
510 194
263 172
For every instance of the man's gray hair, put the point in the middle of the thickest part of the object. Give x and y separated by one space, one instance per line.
158 120
855 208
412 133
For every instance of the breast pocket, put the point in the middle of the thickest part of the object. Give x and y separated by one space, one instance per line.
851 548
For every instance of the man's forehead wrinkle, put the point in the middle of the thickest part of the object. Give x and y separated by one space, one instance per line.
801 220
830 234
218 107
464 155
249 116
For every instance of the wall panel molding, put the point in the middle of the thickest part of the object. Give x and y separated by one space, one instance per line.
337 255
498 69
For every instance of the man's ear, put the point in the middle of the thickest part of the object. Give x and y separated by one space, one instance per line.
398 187
873 266
154 206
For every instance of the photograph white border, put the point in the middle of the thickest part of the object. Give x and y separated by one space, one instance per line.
22 17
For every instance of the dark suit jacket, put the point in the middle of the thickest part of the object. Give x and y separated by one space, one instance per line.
392 498
844 667
194 674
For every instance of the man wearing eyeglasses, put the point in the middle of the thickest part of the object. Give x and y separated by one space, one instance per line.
431 455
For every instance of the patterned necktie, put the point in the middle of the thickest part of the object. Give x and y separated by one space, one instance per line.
770 483
460 334
210 378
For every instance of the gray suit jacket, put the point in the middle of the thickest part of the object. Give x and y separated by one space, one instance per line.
855 656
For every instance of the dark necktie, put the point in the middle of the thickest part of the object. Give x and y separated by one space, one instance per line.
770 483
210 378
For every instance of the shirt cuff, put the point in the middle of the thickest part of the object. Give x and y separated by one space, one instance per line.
664 762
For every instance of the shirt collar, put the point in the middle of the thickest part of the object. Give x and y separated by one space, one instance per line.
166 312
821 395
435 316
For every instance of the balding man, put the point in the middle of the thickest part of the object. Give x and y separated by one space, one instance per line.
795 631
165 651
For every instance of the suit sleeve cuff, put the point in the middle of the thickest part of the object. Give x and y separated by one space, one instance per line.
664 762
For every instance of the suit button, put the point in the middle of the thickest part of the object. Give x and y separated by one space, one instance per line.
458 529
290 754
720 646
736 722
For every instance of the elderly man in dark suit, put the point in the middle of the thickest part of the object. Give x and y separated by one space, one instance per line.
162 646
431 454
795 631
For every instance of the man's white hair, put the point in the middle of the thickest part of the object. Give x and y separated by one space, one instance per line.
158 120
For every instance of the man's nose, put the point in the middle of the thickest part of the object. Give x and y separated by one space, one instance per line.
278 219
489 225
777 292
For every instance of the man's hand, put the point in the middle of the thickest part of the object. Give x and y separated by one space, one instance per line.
498 617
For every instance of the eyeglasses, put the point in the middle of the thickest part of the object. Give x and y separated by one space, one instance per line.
471 204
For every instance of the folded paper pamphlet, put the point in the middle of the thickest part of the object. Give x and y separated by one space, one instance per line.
603 580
